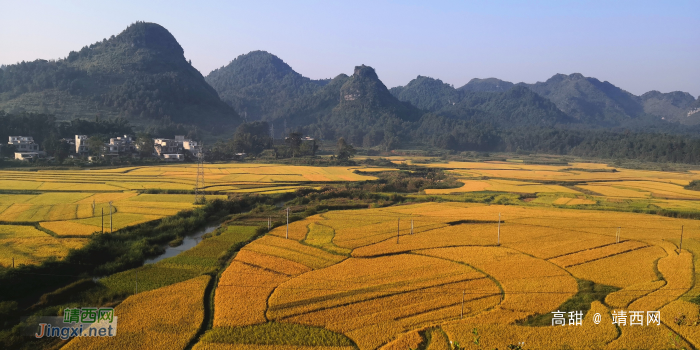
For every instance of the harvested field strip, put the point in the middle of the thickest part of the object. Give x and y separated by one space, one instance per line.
597 253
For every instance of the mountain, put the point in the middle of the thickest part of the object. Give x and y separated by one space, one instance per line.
427 93
260 86
358 107
589 100
515 106
487 85
672 106
140 74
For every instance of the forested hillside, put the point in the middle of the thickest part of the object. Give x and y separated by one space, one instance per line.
260 86
140 75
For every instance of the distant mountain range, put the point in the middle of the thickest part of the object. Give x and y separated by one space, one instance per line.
262 79
142 75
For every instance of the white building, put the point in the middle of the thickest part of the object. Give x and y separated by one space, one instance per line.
167 146
121 145
27 156
81 146
24 143
174 157
175 146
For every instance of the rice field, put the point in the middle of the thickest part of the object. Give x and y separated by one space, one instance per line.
400 280
27 245
407 276
166 318
76 203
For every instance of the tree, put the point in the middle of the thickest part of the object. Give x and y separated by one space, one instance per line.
8 150
252 137
345 150
95 146
294 142
145 144
55 147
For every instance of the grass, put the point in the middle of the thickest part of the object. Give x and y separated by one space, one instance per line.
204 258
275 333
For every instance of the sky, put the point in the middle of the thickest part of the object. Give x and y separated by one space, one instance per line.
637 45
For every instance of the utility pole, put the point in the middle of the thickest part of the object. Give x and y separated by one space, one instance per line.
287 235
398 229
499 229
110 217
462 314
681 245
199 183
618 234
411 226
268 223
13 262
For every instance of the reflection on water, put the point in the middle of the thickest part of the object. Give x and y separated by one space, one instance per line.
187 243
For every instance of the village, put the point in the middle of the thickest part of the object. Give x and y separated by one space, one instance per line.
80 147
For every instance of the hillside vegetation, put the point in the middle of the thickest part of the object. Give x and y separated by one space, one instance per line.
140 74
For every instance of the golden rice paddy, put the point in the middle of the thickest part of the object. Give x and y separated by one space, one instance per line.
387 277
398 280
77 202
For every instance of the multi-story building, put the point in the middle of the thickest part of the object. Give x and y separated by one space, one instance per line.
121 145
175 146
167 146
192 146
24 143
81 146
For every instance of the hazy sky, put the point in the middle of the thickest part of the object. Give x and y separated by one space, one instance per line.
636 45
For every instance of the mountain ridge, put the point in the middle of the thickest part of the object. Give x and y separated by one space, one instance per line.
140 74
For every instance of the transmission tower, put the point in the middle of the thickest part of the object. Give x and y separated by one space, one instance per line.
199 188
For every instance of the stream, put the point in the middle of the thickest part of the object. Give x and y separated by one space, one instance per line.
187 243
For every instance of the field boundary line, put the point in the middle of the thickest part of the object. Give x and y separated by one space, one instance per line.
395 293
605 257
596 247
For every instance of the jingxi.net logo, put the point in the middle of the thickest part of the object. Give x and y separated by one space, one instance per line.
78 322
